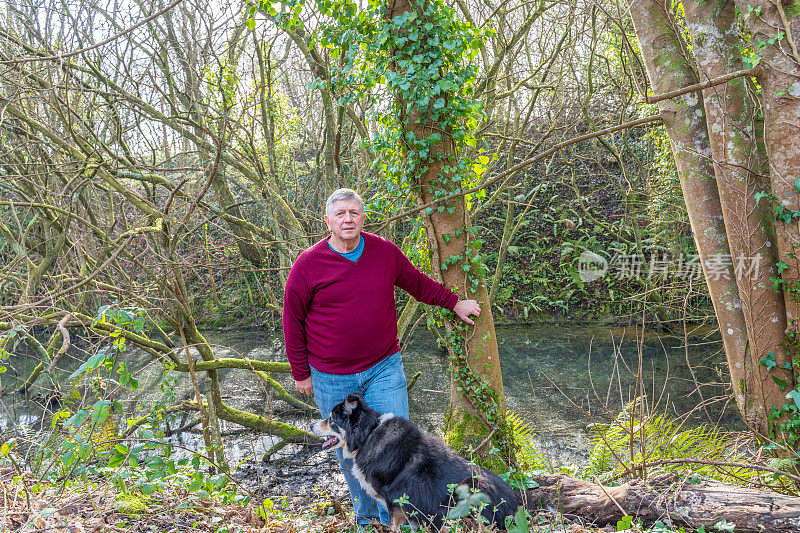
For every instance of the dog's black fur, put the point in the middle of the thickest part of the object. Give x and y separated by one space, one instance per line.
394 459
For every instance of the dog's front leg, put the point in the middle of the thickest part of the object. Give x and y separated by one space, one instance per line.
398 518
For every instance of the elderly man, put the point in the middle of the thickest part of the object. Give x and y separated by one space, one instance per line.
340 322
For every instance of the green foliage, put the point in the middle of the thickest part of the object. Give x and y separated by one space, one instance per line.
519 523
529 458
665 205
238 298
86 448
619 447
272 510
540 274
624 523
91 442
462 435
752 50
785 421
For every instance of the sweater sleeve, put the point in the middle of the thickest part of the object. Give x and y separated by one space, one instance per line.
296 299
420 286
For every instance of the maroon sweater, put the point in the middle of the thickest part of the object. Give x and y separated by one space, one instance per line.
339 316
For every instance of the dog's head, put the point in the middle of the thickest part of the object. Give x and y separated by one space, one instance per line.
348 425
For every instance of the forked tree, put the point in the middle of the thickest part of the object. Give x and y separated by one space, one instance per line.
737 148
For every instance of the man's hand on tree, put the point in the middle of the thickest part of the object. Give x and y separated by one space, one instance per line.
304 386
465 308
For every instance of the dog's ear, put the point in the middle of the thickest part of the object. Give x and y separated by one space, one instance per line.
352 401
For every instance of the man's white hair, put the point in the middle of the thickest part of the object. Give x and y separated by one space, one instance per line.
342 194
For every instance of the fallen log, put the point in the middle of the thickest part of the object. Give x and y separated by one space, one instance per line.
669 498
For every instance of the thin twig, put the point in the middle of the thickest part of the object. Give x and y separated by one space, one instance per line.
610 497
719 463
788 28
101 43
700 86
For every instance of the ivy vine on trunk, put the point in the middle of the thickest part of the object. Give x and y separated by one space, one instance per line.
417 55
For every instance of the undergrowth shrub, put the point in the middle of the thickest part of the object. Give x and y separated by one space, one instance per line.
623 448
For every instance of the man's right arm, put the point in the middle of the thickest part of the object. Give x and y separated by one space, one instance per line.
296 299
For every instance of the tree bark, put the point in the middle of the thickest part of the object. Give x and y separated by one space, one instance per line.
684 118
778 73
730 124
454 256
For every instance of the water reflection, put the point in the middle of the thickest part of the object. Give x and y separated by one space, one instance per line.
549 374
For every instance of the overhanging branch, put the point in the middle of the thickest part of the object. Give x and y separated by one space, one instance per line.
700 86
522 164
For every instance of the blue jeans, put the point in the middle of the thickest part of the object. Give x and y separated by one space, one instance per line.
384 389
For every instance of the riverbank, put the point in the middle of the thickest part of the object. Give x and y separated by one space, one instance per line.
544 367
102 508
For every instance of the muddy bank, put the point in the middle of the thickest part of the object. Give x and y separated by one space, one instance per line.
306 477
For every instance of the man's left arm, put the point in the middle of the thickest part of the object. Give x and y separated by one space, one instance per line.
426 290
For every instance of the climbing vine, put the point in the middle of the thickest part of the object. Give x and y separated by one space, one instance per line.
411 61
785 421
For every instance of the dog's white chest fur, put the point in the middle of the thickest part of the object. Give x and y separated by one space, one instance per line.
369 489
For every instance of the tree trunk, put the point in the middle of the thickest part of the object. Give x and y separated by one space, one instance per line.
684 119
505 242
245 240
748 223
775 26
667 497
477 406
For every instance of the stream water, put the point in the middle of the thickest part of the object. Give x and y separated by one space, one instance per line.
559 379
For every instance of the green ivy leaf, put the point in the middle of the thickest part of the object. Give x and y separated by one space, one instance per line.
461 510
519 523
769 361
625 523
94 362
794 395
761 194
724 525
77 419
149 488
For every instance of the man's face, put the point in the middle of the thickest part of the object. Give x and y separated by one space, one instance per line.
346 220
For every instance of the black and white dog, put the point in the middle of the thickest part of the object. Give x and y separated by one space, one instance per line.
409 471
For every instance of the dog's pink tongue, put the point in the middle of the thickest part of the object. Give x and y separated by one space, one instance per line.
330 442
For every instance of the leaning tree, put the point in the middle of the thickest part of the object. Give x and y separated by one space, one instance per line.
730 102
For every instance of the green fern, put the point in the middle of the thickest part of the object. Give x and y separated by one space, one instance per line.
663 438
529 457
